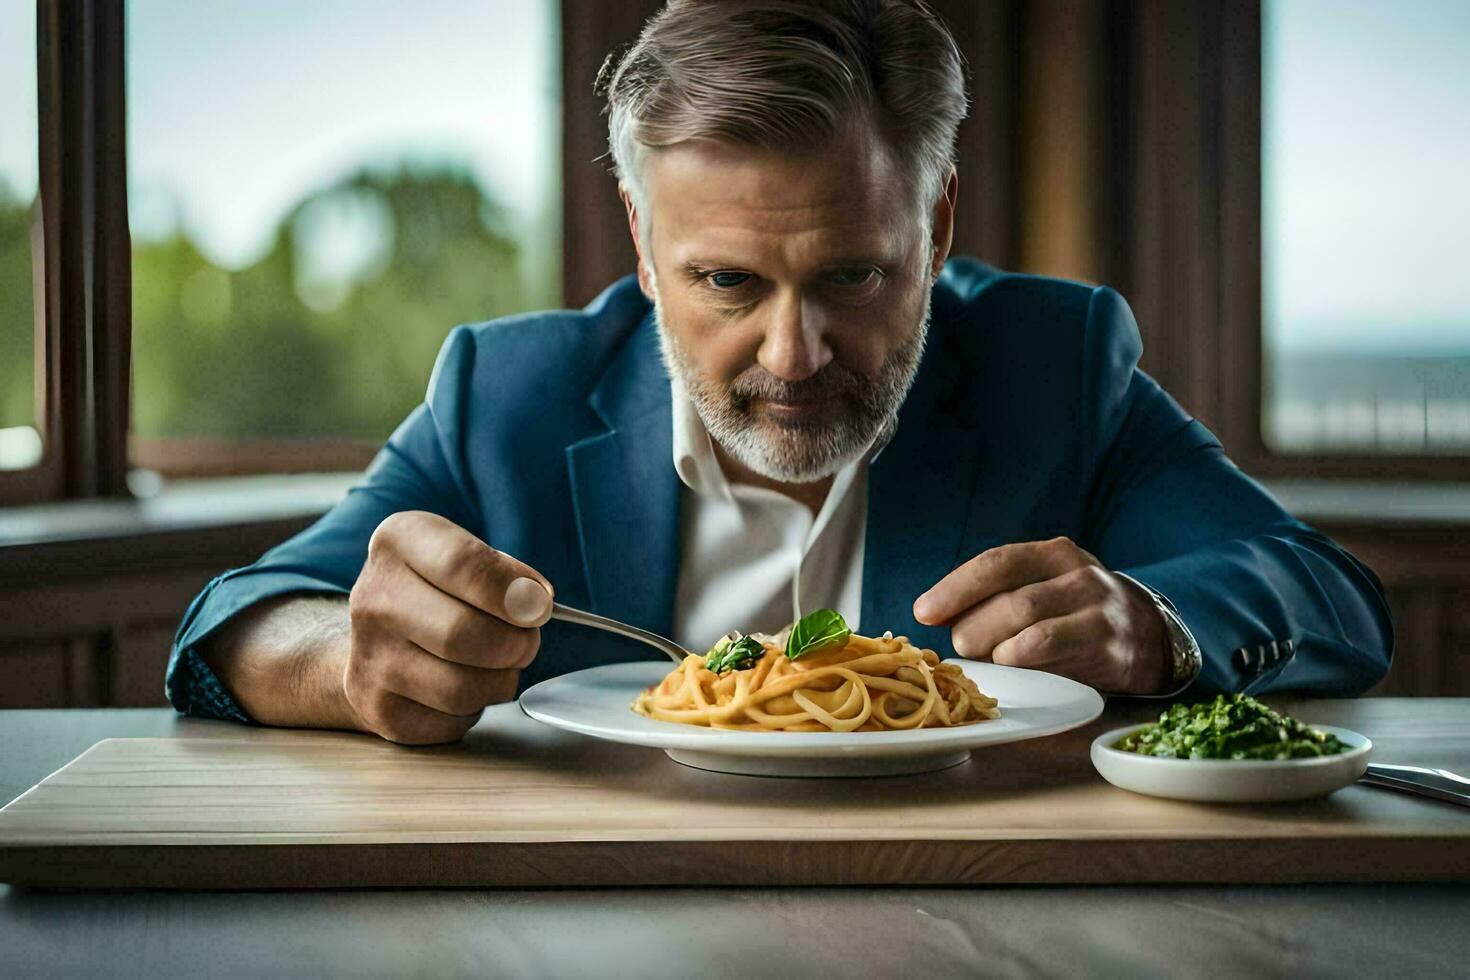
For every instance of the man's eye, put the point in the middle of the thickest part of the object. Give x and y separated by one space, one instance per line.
728 280
853 277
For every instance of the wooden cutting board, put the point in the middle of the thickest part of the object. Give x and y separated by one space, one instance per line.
519 804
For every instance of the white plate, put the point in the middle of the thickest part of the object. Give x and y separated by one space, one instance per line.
598 702
1232 780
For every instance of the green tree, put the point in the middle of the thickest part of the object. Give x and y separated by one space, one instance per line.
17 312
220 353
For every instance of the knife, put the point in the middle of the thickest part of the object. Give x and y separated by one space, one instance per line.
1439 784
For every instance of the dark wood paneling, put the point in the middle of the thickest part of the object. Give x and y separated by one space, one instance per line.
597 248
1455 655
987 223
87 257
1062 138
1173 281
91 623
1425 568
34 675
139 655
107 602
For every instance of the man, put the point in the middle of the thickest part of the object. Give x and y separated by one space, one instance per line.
799 403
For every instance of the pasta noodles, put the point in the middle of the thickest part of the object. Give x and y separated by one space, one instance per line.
865 684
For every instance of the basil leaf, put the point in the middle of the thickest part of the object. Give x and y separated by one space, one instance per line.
820 630
744 652
733 655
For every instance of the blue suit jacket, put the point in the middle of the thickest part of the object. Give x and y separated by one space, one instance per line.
549 436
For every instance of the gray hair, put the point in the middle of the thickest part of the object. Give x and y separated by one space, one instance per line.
787 74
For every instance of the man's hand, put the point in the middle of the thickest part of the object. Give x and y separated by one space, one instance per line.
441 626
1052 606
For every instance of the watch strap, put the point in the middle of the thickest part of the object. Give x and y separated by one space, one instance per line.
1185 659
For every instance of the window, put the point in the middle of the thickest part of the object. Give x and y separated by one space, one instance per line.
317 194
1366 147
20 422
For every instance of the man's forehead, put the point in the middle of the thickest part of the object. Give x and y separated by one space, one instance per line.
722 195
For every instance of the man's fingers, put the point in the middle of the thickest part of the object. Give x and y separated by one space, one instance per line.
446 626
1044 644
1000 569
409 723
454 561
979 631
444 686
1075 646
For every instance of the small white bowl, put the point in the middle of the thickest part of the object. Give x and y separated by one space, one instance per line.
1232 780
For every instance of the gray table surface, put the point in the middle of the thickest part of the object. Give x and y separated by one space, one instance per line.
1297 931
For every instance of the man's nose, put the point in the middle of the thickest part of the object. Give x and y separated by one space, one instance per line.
795 344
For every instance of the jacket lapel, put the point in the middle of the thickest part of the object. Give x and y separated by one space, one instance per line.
921 491
625 491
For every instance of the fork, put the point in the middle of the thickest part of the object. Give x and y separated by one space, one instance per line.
663 644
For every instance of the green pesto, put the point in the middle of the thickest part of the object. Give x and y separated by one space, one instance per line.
1233 726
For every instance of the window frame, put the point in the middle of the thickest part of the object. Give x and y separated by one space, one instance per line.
1180 230
1196 228
83 292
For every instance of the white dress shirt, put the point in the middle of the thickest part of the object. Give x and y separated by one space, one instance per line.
753 559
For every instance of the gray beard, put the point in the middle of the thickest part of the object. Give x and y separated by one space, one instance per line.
803 452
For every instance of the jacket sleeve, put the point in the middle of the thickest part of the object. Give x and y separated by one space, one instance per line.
420 468
1274 604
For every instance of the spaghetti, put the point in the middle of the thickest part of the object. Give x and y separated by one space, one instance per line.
865 684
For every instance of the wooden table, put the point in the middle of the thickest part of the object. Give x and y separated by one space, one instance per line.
1004 930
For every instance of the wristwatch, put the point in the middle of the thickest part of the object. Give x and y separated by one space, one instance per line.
1185 659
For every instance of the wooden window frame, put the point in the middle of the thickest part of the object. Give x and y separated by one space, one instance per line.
1176 211
1191 144
84 287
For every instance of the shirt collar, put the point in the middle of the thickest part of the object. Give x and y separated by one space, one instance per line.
694 453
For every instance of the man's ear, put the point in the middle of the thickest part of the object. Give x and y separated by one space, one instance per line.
645 279
943 223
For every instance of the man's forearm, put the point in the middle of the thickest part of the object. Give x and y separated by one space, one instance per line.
283 661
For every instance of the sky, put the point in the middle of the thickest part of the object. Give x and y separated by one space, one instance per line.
238 108
1366 179
18 97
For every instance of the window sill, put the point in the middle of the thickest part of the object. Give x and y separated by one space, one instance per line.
183 505
1373 502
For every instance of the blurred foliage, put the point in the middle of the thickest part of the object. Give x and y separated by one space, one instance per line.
277 350
17 314
225 354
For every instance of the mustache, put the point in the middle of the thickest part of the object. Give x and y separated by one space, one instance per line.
833 380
